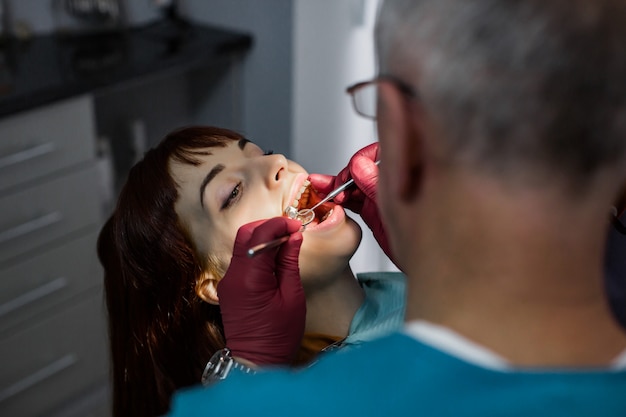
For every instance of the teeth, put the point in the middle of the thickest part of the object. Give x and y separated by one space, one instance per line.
327 215
303 188
292 211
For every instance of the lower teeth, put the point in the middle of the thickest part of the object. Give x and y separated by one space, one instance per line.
327 215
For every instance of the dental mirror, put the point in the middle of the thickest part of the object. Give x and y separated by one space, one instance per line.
305 216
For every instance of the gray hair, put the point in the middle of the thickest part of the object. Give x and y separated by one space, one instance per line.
517 85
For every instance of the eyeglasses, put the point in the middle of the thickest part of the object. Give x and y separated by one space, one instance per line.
365 94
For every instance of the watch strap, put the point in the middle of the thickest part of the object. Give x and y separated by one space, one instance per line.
220 365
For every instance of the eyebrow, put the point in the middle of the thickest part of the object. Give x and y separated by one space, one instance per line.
212 173
216 170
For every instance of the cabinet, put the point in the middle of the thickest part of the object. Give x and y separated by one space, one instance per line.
53 341
53 347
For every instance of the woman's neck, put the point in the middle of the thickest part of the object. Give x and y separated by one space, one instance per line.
330 308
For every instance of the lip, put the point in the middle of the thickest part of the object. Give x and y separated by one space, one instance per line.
336 218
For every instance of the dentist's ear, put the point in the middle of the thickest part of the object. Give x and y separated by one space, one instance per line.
400 127
206 288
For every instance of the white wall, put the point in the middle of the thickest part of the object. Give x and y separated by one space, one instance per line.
333 48
266 83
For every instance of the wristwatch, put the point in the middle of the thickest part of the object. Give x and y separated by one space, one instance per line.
220 365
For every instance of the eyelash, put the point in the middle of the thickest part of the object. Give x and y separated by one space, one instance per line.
235 194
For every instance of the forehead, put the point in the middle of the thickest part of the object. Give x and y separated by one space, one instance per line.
193 162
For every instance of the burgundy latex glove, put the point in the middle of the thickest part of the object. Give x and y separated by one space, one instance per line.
261 298
361 197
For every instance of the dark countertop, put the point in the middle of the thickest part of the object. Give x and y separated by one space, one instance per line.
45 69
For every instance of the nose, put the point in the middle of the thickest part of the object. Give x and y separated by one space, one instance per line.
276 170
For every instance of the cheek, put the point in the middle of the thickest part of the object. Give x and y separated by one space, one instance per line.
221 249
224 238
256 205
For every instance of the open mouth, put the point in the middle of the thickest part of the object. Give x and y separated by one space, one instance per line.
306 198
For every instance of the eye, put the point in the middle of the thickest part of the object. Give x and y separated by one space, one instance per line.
232 198
268 152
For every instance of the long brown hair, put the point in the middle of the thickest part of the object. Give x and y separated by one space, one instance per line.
161 333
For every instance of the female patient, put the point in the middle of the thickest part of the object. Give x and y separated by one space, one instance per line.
170 241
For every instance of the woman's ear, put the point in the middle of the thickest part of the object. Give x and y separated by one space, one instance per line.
206 288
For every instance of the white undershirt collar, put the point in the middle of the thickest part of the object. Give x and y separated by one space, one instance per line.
454 344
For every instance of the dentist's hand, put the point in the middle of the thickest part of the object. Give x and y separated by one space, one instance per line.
261 298
360 198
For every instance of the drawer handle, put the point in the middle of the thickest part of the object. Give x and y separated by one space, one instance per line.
30 226
33 295
42 374
26 154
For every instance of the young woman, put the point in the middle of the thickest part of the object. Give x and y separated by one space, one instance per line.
170 241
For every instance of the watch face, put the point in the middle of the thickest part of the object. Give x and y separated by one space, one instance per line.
218 367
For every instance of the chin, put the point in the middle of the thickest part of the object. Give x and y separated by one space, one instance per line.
324 256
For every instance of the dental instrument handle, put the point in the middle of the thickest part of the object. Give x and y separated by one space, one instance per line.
261 247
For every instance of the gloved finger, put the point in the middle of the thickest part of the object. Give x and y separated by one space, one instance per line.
258 271
240 264
324 184
365 174
288 269
260 231
243 237
274 228
363 170
321 183
370 151
292 297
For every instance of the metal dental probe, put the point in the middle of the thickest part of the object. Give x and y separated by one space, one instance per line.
309 212
300 215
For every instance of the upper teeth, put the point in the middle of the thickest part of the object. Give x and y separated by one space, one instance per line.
292 211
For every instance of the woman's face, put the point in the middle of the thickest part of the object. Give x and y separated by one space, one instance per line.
239 184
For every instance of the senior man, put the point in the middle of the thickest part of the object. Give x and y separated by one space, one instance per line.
502 128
